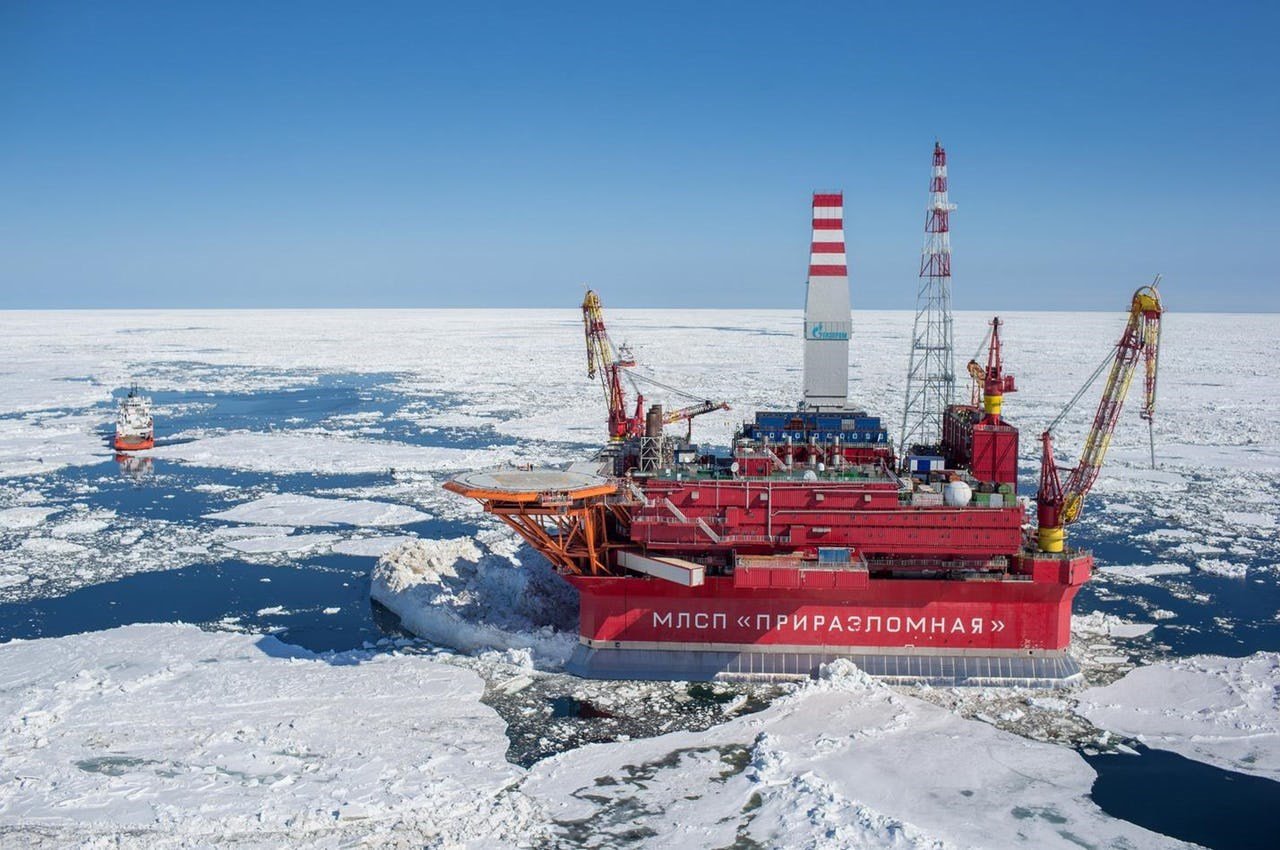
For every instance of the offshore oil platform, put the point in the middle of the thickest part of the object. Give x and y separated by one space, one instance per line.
812 537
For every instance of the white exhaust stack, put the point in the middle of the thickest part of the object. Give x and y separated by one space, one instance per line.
826 308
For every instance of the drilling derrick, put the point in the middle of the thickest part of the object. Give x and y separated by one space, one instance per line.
931 379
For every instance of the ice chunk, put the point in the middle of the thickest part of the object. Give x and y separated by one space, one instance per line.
844 762
297 509
38 444
1224 711
1145 572
291 544
453 593
15 518
177 736
1098 623
370 547
1219 567
288 452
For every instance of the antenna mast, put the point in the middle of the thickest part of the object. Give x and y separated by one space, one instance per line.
931 377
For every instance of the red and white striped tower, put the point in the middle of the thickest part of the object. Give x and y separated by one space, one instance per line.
826 308
931 377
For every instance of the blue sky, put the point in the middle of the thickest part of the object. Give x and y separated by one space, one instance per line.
242 154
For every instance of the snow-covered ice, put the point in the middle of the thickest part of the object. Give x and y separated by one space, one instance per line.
296 509
1224 711
283 453
1144 572
170 736
370 547
240 740
843 762
38 444
1220 567
281 543
457 594
1097 623
25 517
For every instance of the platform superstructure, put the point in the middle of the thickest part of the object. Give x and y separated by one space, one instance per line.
808 538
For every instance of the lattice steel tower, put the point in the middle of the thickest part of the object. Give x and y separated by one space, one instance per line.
931 377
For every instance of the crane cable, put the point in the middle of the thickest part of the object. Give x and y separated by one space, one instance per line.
1097 373
634 376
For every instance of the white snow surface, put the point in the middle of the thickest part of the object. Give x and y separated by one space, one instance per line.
24 517
845 762
1224 711
281 543
168 736
38 444
456 594
1144 572
1219 567
1098 623
285 452
299 510
371 547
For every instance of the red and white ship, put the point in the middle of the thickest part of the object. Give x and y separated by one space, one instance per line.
808 539
135 427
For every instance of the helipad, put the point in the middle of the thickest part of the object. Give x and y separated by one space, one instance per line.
526 485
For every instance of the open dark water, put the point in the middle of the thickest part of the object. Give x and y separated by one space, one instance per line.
296 600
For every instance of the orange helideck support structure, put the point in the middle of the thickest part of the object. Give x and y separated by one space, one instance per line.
564 515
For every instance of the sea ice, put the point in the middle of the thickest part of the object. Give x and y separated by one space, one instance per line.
1144 572
1098 623
843 762
1219 567
165 735
39 444
14 518
1224 711
300 510
285 544
455 594
242 740
370 547
285 452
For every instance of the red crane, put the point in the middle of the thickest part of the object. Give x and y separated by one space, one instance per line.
611 364
1059 505
992 381
603 361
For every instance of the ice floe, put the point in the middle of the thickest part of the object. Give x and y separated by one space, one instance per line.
457 594
285 452
238 739
1224 711
1219 567
281 544
25 517
39 444
297 509
1098 623
844 762
370 547
170 736
1144 572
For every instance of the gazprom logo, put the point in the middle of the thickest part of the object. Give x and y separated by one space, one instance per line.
828 330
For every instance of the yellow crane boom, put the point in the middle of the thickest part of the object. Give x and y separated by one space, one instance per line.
1059 505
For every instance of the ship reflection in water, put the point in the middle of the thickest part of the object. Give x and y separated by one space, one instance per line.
138 468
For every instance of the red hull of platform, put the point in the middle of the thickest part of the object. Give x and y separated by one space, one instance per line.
1025 615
